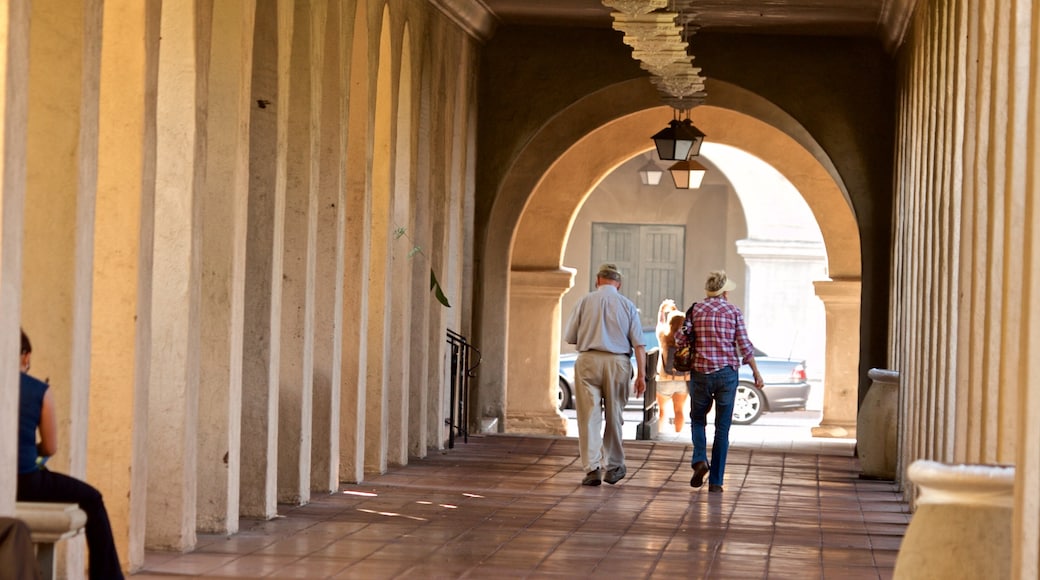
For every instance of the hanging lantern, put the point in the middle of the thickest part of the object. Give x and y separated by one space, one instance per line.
650 174
687 174
678 141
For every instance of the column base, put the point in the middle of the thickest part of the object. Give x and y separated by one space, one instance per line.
489 425
835 430
536 424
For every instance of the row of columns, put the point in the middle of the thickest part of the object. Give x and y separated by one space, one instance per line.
229 231
965 333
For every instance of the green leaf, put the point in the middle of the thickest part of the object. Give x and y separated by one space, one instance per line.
437 291
398 233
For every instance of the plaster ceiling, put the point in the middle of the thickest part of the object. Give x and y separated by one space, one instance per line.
798 17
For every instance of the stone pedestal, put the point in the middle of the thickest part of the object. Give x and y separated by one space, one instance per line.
877 431
962 526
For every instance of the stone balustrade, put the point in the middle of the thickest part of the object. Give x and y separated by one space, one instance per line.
50 523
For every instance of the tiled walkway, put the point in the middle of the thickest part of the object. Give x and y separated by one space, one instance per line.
512 507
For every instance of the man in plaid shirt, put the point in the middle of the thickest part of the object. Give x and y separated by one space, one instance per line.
721 345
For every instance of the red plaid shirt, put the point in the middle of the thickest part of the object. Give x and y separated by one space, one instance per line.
721 336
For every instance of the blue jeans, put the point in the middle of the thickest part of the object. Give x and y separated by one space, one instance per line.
720 388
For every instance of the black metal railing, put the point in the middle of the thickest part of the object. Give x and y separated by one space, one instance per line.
462 353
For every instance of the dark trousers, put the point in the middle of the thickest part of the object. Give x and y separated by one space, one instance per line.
48 486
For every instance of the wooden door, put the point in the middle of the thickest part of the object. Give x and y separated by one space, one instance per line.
651 258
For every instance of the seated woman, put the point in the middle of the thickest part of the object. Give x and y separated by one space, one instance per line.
37 483
670 384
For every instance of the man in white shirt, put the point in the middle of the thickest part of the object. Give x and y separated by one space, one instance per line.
605 328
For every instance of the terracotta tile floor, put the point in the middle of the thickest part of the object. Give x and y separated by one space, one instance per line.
512 507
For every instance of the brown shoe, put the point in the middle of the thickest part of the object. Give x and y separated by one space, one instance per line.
594 477
714 488
700 469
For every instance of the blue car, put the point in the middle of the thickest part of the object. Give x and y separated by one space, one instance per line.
785 389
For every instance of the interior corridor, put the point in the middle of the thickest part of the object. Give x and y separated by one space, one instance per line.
510 506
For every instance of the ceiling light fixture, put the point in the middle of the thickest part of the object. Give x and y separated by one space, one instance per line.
679 141
659 35
651 173
687 174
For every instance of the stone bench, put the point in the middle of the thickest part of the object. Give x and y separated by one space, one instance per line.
50 523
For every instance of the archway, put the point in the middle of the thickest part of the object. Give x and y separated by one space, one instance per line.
745 218
548 182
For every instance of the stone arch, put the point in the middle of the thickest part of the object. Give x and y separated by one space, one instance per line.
552 175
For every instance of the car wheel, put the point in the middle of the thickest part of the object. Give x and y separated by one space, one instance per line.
748 406
563 395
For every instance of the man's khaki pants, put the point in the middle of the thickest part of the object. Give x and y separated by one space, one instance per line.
601 378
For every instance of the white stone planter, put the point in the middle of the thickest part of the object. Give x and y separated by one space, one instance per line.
962 526
876 430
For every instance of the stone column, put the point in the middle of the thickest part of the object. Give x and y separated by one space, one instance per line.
176 291
123 232
419 399
400 353
264 235
377 413
59 212
223 274
61 187
295 389
841 301
401 254
328 291
377 416
534 305
438 403
355 243
445 243
14 88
